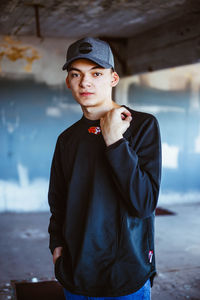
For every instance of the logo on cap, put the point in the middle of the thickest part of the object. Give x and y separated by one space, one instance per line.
85 48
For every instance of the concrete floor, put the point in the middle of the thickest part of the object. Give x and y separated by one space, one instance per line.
24 253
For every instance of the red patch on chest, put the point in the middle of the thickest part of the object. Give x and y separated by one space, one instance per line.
94 129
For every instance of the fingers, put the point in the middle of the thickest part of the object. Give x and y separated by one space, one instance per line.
114 123
118 113
124 111
123 116
128 119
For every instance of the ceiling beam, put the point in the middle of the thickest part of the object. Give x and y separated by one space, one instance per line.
173 44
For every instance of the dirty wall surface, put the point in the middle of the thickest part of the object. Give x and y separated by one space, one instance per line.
35 106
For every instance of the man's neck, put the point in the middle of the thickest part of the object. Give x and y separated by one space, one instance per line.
97 112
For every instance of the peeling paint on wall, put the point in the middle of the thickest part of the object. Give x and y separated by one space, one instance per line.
53 112
173 96
170 156
178 198
10 119
23 175
43 58
22 198
13 50
33 114
27 139
173 79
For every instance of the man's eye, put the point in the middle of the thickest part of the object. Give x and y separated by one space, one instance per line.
96 74
74 75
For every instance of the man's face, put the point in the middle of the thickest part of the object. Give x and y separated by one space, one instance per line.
90 84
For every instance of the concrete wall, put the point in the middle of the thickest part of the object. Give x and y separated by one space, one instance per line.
32 115
35 106
173 96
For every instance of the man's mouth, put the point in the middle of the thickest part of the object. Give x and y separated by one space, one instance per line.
86 93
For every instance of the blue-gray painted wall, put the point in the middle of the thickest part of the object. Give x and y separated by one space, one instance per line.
32 136
33 114
180 127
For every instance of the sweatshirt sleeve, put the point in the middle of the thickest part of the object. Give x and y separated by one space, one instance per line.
56 199
136 168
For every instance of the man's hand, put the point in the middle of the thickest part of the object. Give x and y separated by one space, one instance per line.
56 253
114 124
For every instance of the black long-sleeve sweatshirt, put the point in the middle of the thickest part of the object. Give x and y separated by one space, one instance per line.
102 201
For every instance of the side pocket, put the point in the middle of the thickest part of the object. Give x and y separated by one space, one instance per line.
120 233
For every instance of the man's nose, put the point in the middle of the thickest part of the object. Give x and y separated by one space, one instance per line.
85 81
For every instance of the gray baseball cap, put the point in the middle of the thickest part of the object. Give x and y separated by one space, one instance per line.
90 48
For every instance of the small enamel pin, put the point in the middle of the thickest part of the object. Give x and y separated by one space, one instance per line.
94 129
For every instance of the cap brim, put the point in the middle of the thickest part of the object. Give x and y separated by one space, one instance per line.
97 61
65 67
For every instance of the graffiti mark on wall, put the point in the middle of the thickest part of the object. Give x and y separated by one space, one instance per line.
13 50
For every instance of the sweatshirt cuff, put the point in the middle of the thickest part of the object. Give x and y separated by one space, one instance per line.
55 244
116 144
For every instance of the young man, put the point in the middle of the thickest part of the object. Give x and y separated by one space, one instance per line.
104 186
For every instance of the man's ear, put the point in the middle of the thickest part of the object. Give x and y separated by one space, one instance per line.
67 82
115 79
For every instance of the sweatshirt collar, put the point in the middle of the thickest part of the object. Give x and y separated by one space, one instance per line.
90 122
